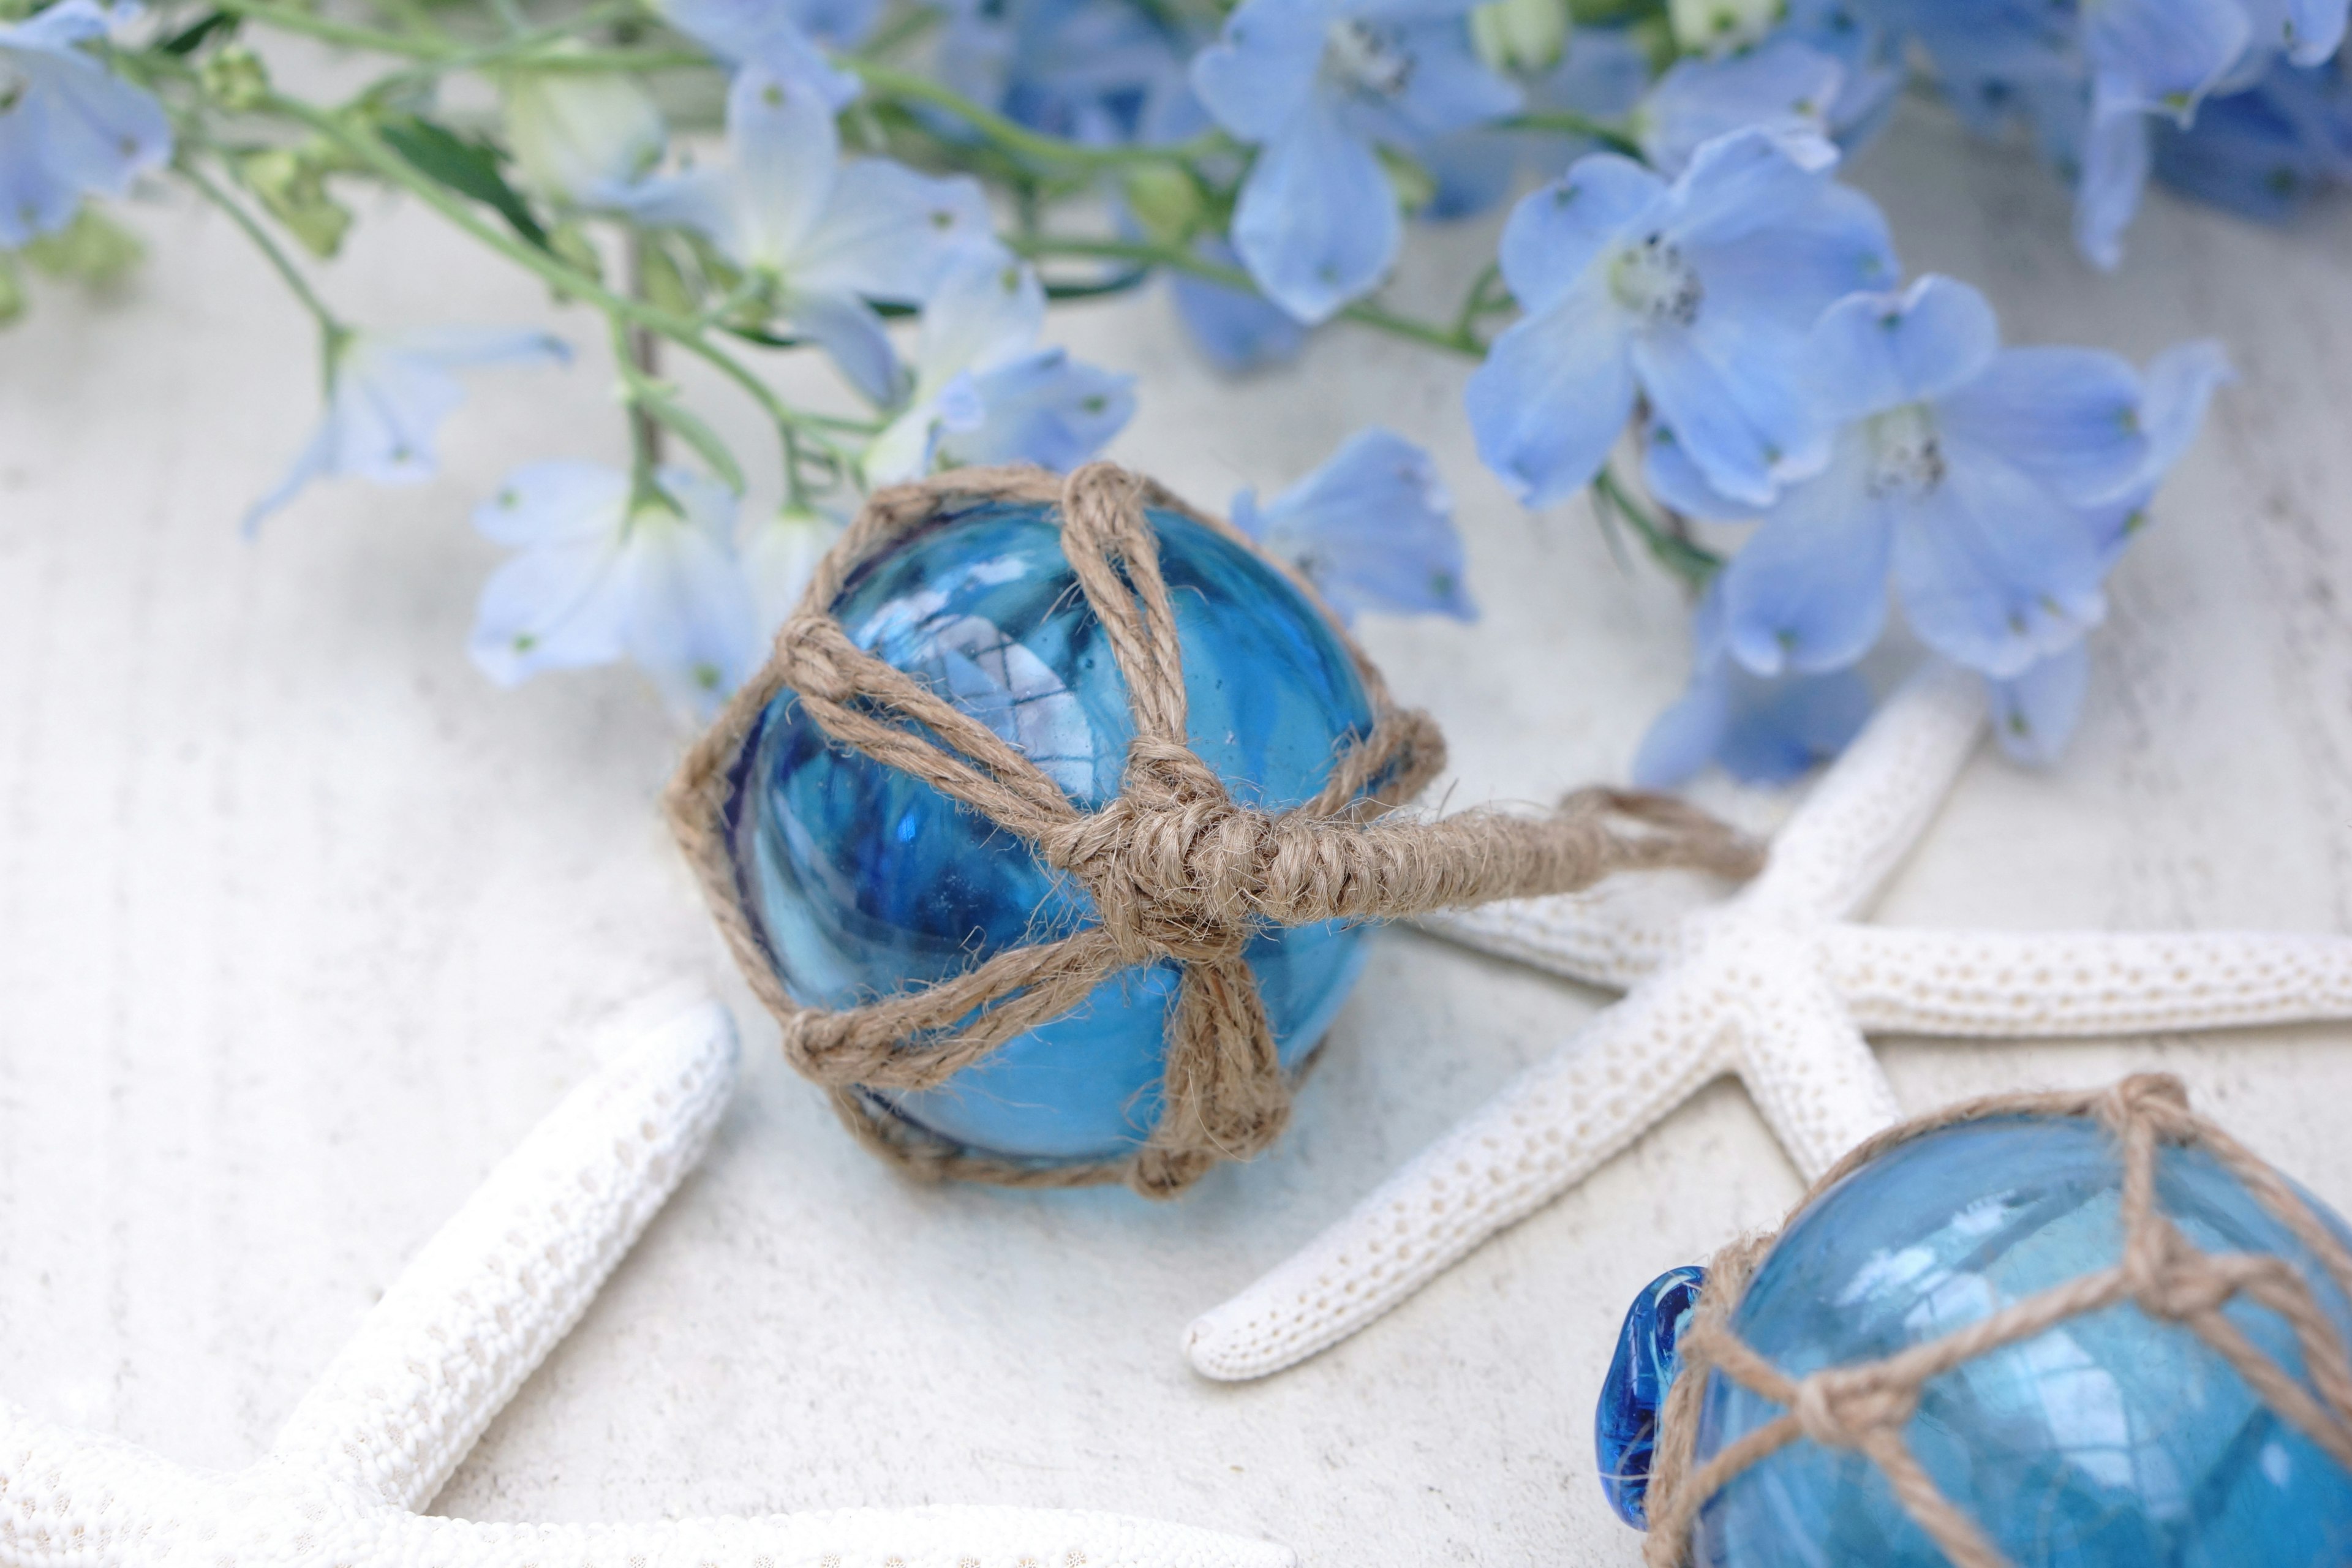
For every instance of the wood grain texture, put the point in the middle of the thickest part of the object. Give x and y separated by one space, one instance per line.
300 919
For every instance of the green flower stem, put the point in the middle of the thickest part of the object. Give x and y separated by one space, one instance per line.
332 331
1694 564
907 87
1177 260
285 19
562 277
1563 123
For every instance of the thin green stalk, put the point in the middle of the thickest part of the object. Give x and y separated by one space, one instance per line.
332 328
1181 260
1474 303
1685 559
287 19
905 86
554 271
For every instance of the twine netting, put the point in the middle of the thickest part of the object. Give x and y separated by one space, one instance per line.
1865 1405
1176 869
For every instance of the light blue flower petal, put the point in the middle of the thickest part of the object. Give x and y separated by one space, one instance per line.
1473 169
985 311
1747 180
313 462
1448 88
1044 408
761 33
1873 351
1779 731
57 29
1371 529
889 234
1814 252
692 621
2070 417
1317 225
1782 83
1807 591
1732 390
2315 29
2034 713
1261 71
35 196
385 412
1684 739
473 348
96 130
1674 480
562 502
2115 160
2162 56
846 328
786 150
1236 328
699 199
1554 394
561 606
703 501
2179 382
1994 571
1556 232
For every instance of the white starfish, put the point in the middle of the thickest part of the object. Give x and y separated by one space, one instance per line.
1775 985
434 1360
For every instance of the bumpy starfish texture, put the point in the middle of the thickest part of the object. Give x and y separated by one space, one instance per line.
1777 985
434 1361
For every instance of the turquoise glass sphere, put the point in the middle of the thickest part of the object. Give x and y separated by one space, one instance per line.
2112 1440
863 881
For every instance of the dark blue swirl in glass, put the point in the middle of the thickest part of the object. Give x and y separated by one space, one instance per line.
863 881
2111 1440
1626 1425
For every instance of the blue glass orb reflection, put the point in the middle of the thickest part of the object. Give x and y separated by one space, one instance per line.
2113 1440
1626 1425
863 881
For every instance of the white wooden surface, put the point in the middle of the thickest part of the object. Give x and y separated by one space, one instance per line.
303 923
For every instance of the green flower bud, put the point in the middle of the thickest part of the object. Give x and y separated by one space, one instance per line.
293 186
91 250
663 282
235 77
1520 34
1714 25
571 242
1166 200
575 136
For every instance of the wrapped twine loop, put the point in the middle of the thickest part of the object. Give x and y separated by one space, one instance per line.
1177 869
1865 1405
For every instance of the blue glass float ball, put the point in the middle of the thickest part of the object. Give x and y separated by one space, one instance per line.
863 881
2112 1440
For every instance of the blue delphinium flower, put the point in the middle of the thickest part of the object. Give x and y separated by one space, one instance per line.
387 397
601 573
2034 712
1764 730
1699 294
985 392
780 37
1088 71
1238 330
1601 74
780 553
1317 84
826 238
2263 153
1372 529
68 127
1970 473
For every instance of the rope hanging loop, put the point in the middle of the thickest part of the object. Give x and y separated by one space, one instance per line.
1178 870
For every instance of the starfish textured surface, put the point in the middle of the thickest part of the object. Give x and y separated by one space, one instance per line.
451 1341
1776 984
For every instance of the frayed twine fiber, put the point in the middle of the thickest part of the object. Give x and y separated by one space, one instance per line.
1864 1405
1176 869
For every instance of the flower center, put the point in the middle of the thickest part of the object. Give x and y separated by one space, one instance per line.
1906 453
1367 58
1653 282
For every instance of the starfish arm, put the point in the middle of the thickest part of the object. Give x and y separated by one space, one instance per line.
503 1280
1612 935
97 1502
1811 1072
1866 811
2051 984
1618 1076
